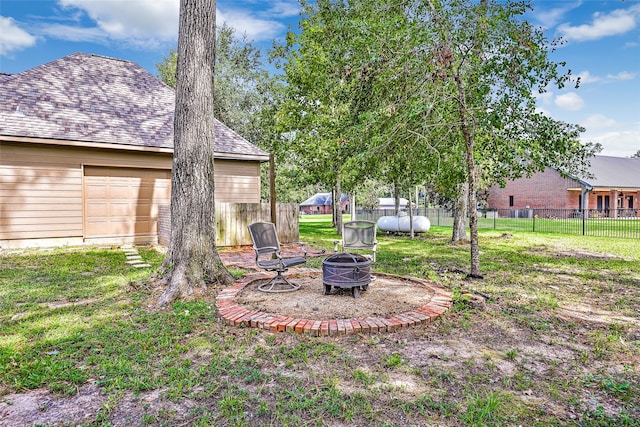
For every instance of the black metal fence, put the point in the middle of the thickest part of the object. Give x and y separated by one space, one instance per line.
619 223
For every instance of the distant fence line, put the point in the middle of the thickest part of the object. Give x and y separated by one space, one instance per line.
619 223
232 220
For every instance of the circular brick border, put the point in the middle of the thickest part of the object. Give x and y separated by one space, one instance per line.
235 315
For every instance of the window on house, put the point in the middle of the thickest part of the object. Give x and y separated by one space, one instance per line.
630 202
510 201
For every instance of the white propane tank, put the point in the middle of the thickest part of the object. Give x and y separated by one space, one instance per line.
396 224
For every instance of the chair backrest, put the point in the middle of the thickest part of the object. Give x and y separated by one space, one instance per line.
265 237
358 234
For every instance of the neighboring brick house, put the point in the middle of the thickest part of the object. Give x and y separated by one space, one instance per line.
86 146
613 189
320 203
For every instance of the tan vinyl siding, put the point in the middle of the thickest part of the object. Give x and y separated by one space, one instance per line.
40 197
55 192
41 190
237 181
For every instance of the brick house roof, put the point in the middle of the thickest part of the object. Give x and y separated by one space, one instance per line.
613 172
96 99
322 199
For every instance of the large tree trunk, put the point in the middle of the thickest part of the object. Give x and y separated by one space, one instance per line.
192 259
460 214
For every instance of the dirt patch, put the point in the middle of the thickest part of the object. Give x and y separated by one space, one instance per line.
386 295
590 314
42 407
573 253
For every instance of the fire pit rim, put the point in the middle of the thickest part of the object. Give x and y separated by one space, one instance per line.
357 260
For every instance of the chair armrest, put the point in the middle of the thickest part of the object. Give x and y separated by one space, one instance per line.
304 249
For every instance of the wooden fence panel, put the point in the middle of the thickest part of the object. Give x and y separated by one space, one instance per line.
287 218
232 220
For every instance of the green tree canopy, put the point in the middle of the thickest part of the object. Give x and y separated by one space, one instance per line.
440 90
241 83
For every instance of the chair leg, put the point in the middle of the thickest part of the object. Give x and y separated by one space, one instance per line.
278 280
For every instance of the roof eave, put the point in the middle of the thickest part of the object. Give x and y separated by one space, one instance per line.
84 144
240 156
125 147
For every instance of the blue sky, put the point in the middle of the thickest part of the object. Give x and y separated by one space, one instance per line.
602 47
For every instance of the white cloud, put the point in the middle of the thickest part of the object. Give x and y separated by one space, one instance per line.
569 101
617 22
549 18
255 28
622 143
545 97
139 22
142 23
543 111
12 37
73 33
586 77
623 75
597 121
284 8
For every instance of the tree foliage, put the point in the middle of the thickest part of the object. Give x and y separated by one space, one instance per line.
438 91
240 82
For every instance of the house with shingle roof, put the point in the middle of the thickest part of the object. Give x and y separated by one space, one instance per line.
321 203
611 188
86 146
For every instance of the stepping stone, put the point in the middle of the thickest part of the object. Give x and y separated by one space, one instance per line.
141 265
132 257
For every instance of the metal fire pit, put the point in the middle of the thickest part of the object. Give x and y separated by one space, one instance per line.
347 271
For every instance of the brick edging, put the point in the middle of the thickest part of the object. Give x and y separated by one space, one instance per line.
235 315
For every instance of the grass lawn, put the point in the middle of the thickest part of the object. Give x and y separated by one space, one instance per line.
557 343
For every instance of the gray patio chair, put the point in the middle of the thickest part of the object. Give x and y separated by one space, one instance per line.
359 235
269 257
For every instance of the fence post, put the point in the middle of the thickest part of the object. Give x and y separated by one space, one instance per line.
534 220
584 220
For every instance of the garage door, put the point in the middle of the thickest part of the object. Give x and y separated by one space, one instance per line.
124 201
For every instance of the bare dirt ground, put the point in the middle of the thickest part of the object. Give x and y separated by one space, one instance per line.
43 408
386 295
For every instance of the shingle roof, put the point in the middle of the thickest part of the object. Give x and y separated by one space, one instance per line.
614 172
92 98
318 199
322 199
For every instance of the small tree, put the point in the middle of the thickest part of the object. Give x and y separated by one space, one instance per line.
192 260
494 61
